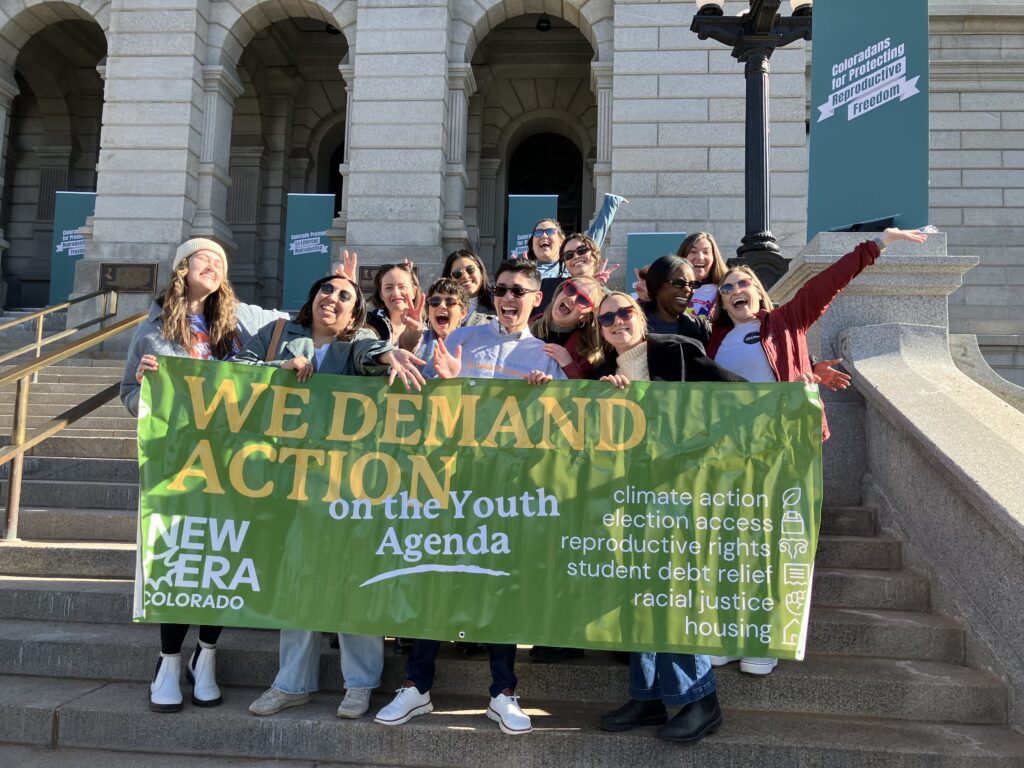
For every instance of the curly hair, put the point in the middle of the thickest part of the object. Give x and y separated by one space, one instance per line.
218 311
595 249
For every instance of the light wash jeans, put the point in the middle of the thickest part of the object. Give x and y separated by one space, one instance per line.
675 678
362 661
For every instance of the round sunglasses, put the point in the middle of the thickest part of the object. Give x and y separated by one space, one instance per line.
437 301
727 288
469 270
327 289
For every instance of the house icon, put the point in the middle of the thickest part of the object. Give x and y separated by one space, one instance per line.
791 633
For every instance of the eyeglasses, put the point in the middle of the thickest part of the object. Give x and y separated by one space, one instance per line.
437 301
607 319
327 289
728 288
516 290
682 285
570 254
550 232
469 270
574 293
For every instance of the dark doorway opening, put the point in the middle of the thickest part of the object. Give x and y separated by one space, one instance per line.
549 164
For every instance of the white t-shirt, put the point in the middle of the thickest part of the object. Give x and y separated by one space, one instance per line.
702 300
741 352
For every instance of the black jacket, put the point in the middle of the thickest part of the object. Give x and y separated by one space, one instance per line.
674 358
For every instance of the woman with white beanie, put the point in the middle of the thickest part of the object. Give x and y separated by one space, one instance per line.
197 316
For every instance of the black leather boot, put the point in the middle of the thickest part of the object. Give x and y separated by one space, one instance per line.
633 714
694 721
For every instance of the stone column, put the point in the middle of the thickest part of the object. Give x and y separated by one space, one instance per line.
8 90
338 233
485 209
601 83
221 87
461 86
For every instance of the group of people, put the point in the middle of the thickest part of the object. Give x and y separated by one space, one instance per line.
546 316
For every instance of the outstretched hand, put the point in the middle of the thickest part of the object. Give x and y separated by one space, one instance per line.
829 377
349 266
447 365
892 234
404 366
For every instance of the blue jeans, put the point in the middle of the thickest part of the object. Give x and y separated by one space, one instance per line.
675 678
362 661
420 667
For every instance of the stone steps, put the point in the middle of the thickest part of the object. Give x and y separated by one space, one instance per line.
18 756
58 468
86 494
83 715
109 421
89 445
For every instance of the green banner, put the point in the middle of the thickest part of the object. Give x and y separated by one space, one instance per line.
307 248
523 212
869 121
642 248
70 210
677 517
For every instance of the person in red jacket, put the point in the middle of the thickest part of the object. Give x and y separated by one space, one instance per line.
753 338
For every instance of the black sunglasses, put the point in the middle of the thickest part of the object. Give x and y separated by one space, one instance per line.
327 289
682 285
437 301
570 253
607 319
469 269
516 290
582 300
550 232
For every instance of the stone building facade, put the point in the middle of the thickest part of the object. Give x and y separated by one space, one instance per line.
197 118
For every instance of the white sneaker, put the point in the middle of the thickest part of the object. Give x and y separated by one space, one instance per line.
355 704
165 690
757 666
407 704
273 701
721 661
201 671
506 712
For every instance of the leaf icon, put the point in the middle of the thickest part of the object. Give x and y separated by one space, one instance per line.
791 497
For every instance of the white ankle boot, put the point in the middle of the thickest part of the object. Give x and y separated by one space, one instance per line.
202 673
164 691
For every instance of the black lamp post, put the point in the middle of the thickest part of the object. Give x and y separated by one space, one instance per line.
754 36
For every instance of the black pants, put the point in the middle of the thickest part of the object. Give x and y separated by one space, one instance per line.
420 667
173 635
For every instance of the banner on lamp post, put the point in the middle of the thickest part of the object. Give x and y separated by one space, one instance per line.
659 517
307 253
70 210
869 121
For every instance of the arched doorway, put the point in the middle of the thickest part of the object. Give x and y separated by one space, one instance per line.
288 125
549 164
52 145
533 124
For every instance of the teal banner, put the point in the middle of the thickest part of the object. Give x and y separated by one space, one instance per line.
70 210
663 517
869 121
307 250
644 247
523 212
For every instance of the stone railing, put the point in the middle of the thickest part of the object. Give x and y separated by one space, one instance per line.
939 455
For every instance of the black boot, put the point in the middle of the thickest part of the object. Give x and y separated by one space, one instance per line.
633 714
694 721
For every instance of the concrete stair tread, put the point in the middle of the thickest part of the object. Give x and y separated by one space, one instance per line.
114 715
17 756
872 616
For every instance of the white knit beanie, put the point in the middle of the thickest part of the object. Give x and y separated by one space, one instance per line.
189 247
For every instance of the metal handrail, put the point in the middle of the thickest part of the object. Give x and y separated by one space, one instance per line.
21 442
108 310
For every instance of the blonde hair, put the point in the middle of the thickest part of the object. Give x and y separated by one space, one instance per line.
218 311
720 317
609 350
589 343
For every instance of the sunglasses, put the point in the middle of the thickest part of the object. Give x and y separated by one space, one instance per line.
516 290
329 290
607 319
691 285
728 288
550 232
469 270
437 301
574 293
572 253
